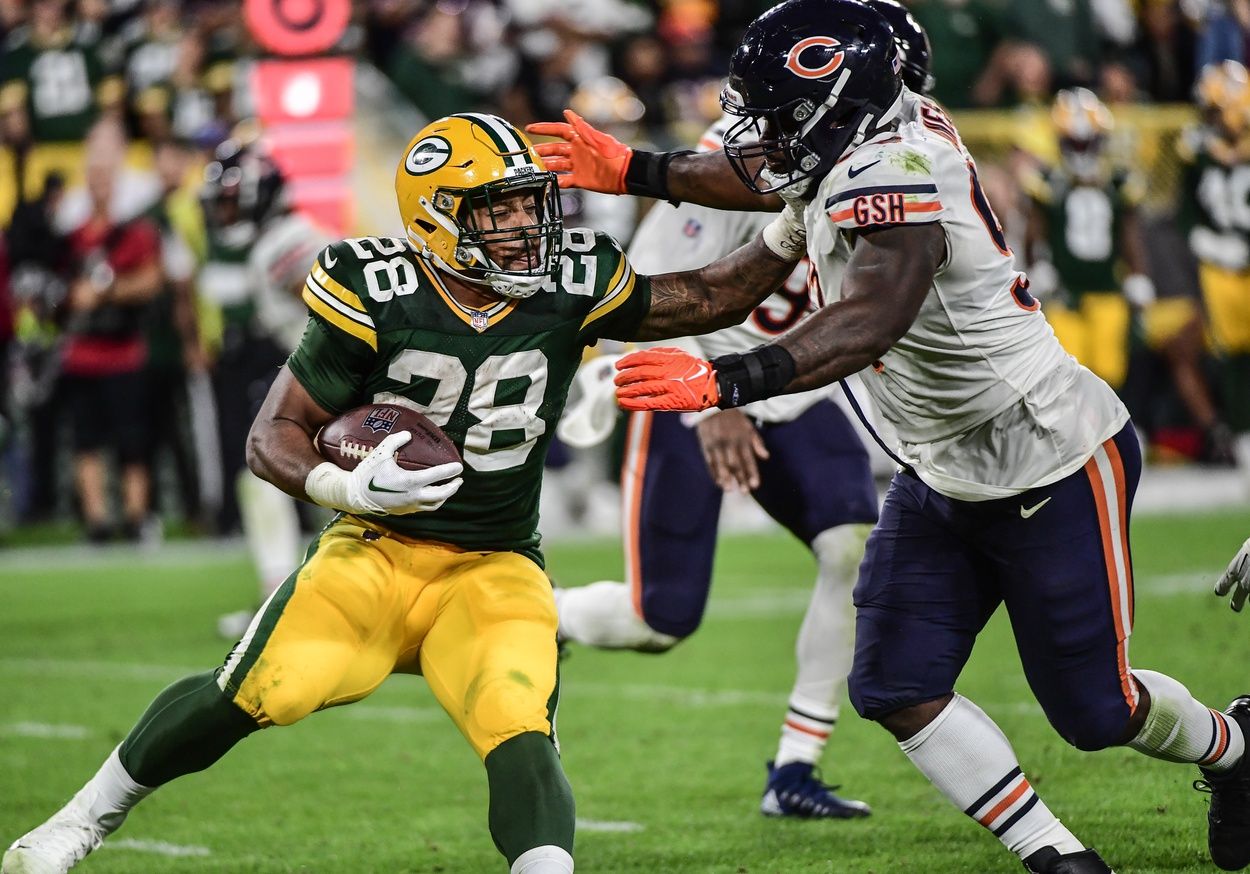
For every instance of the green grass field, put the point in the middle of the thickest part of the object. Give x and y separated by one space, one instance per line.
665 754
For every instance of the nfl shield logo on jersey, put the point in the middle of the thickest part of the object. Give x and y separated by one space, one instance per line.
480 321
380 419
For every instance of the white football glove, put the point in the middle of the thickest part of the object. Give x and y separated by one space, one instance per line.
1236 579
379 485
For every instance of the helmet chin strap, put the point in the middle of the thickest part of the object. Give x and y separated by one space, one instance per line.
508 286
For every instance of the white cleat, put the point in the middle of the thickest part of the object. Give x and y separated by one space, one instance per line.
60 843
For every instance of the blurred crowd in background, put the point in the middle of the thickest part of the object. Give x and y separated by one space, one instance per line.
1111 135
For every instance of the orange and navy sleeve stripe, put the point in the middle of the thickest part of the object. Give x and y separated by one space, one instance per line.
883 205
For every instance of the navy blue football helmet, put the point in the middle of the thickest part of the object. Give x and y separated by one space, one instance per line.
912 42
810 80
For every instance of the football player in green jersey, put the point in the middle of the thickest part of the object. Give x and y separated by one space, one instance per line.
55 76
1215 212
1084 220
478 318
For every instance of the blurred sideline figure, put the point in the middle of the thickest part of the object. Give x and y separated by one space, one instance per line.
119 273
1216 217
259 254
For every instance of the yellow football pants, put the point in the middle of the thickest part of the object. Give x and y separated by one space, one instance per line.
1226 294
1096 334
480 626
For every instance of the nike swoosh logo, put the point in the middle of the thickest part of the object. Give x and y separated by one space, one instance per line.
698 374
855 171
376 488
330 259
1024 514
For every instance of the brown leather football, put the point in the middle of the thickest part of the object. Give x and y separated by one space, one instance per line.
349 438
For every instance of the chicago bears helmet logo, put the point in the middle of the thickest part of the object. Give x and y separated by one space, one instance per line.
427 156
828 53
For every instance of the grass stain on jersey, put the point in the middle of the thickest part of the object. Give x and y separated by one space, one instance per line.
912 162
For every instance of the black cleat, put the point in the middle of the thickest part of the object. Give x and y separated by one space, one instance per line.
1228 819
1048 860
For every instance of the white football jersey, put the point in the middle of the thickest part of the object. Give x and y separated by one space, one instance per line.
278 263
985 401
686 237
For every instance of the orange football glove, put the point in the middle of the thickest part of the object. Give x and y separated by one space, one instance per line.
665 378
588 158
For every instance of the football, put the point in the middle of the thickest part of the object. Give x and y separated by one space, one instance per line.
348 438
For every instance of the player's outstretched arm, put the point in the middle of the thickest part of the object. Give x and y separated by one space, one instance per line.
885 283
884 286
591 159
717 296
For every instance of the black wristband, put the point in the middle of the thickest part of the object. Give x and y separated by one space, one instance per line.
752 376
647 173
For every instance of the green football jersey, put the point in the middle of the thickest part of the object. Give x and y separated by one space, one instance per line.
384 328
62 84
1215 195
1084 225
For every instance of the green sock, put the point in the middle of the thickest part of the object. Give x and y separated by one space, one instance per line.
531 804
188 727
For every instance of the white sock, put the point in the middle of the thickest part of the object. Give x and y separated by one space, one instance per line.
111 793
1181 729
825 646
271 526
968 758
602 614
548 859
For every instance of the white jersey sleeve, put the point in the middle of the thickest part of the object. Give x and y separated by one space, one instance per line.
278 263
980 354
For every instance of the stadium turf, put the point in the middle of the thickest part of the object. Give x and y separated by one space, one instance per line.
666 754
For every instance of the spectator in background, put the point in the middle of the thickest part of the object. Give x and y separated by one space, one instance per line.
1064 32
119 273
40 265
964 35
643 66
1222 26
1164 58
152 49
175 352
55 76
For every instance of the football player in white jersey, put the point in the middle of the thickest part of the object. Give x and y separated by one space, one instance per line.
1019 465
796 454
800 459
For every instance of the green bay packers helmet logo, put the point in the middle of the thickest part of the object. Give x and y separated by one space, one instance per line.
427 156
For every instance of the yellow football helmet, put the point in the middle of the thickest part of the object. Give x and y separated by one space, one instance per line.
451 174
1223 93
1083 123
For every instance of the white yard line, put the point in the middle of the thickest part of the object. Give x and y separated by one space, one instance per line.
46 730
603 825
158 848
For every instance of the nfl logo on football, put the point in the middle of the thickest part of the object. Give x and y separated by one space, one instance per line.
380 419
